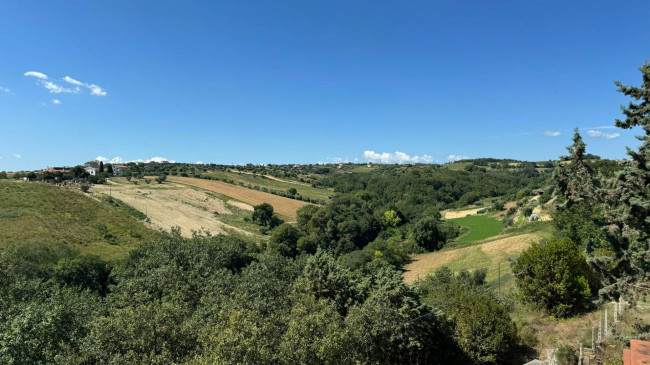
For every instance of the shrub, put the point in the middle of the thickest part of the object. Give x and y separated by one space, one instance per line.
428 235
566 355
554 276
85 187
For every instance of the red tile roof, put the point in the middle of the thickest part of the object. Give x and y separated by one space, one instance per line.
638 354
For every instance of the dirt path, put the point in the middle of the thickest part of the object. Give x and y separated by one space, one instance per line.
471 257
283 206
172 205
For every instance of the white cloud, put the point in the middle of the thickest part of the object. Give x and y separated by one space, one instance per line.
72 81
199 162
120 160
454 158
5 89
17 155
36 74
157 159
78 85
551 133
56 101
57 89
96 90
397 157
598 134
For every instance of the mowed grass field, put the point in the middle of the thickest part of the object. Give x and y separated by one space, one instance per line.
38 212
485 255
480 227
272 183
283 206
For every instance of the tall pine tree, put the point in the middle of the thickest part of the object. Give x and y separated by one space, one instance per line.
628 193
575 181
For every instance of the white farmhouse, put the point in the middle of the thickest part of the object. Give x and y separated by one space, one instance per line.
90 170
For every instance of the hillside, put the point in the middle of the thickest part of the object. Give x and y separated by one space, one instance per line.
178 205
283 206
36 212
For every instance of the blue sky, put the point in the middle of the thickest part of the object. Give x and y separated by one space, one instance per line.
313 81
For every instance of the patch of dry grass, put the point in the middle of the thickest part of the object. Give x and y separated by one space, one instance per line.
283 206
484 255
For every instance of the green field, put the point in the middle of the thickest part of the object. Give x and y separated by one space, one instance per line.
480 227
304 189
38 212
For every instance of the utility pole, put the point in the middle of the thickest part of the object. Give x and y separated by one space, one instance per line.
605 334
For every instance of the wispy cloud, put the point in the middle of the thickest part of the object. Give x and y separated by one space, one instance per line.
454 158
603 127
17 155
96 90
397 157
36 74
199 163
56 102
5 89
598 134
551 133
101 159
72 81
55 88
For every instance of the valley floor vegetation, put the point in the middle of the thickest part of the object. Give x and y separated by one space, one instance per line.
325 284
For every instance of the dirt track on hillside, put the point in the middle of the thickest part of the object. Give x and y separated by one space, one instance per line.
283 206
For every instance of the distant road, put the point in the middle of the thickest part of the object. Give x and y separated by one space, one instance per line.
283 206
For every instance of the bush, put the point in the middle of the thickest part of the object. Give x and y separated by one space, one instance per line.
428 235
554 276
161 178
566 355
85 187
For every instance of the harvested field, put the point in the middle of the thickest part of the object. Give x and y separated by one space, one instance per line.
171 205
485 255
453 214
283 206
